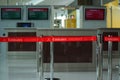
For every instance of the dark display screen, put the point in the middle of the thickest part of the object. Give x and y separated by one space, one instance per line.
37 13
24 25
69 52
94 14
10 13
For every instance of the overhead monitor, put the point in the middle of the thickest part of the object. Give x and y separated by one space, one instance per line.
37 13
11 13
94 13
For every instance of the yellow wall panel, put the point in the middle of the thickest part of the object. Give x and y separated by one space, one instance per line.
70 23
113 14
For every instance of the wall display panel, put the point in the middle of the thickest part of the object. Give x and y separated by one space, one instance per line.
38 13
94 14
69 52
89 15
20 46
11 13
69 56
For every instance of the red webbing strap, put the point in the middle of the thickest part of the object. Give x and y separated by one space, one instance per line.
48 39
111 38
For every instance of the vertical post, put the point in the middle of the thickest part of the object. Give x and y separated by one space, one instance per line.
51 61
101 2
41 62
37 55
119 66
111 17
99 56
97 60
119 71
52 17
109 60
7 2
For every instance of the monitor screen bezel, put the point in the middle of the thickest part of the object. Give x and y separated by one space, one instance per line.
19 18
28 17
98 9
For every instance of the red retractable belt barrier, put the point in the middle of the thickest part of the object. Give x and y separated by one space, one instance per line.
112 38
57 39
48 39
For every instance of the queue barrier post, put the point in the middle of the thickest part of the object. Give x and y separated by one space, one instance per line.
109 59
99 58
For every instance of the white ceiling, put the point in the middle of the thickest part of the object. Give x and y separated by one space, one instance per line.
36 2
56 2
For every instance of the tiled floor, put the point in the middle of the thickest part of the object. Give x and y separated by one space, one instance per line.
22 70
13 68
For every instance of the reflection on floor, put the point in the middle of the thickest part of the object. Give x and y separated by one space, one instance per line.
13 68
18 67
25 69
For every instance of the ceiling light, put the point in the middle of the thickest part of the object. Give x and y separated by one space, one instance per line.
34 2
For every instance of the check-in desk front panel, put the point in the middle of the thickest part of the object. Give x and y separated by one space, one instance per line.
21 49
115 46
69 56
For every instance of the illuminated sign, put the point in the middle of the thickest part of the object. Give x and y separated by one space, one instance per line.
94 14
10 13
37 13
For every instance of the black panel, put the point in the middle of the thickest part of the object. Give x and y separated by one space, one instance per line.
105 44
69 52
22 46
84 2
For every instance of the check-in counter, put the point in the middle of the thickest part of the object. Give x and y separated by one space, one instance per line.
68 56
103 32
21 49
